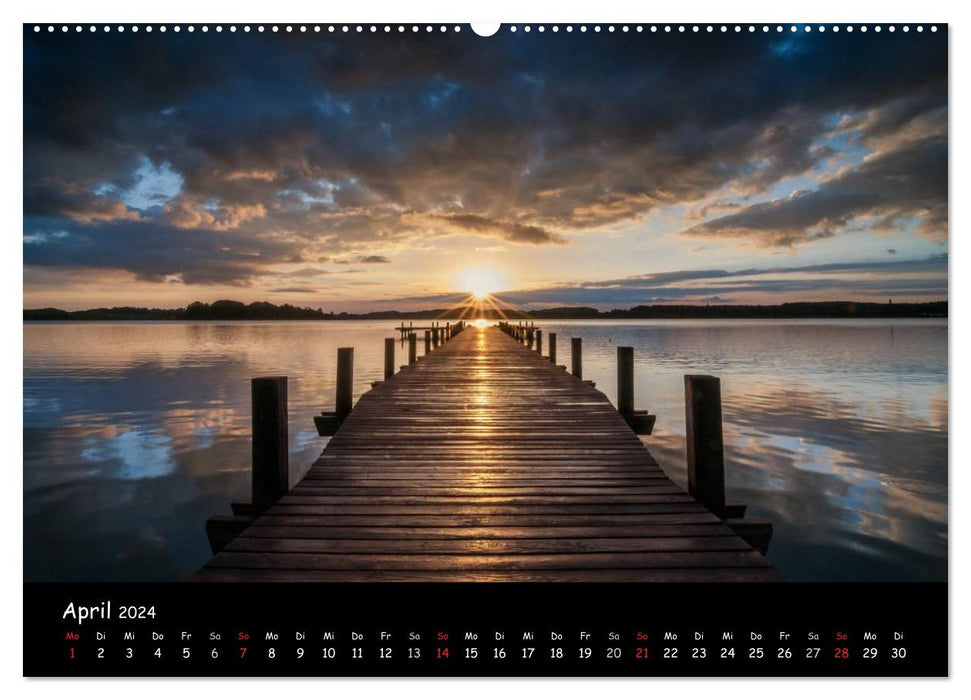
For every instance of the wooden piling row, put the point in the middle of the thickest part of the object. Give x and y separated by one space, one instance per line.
444 332
703 423
569 517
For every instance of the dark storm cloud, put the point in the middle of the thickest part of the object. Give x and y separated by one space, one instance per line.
152 252
305 147
506 230
906 182
40 201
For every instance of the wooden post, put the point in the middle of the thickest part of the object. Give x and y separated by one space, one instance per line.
539 342
625 381
706 458
271 455
389 357
412 348
553 348
345 382
577 359
428 341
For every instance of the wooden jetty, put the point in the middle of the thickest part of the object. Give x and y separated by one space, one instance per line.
485 461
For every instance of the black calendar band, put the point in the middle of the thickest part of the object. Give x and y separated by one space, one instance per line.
431 630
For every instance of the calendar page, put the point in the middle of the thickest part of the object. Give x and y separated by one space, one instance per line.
450 350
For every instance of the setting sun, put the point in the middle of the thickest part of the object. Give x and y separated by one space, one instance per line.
480 282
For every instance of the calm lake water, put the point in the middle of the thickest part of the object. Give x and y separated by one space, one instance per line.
135 433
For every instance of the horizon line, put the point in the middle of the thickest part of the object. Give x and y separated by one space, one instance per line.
520 309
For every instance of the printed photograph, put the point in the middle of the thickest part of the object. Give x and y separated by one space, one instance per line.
563 304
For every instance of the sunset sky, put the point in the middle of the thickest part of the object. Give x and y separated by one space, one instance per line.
375 171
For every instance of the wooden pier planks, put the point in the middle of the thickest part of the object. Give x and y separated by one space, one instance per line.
484 462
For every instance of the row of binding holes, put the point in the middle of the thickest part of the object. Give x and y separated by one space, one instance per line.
442 28
713 28
257 28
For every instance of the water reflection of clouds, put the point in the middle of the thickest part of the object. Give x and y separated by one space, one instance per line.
41 405
827 477
135 433
132 454
882 435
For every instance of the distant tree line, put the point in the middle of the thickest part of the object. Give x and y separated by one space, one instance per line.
227 310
